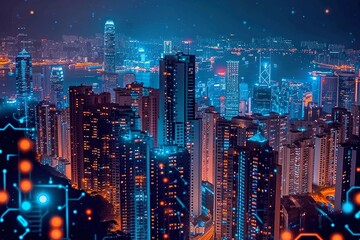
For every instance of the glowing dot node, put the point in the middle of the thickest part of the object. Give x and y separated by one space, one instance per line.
56 234
26 206
56 222
337 236
25 185
4 197
25 145
357 198
347 207
88 211
25 166
43 198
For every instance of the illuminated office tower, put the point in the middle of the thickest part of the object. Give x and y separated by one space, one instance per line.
223 193
216 90
46 125
345 120
135 184
280 96
297 167
209 120
78 98
109 78
261 101
296 100
167 47
97 128
348 170
275 128
194 145
248 198
57 95
347 89
144 101
177 98
169 193
24 85
63 134
259 188
232 89
92 117
355 111
325 157
325 90
109 47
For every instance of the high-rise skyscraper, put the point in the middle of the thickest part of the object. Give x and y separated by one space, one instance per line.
347 89
46 125
262 190
57 95
232 89
24 84
247 191
109 47
145 102
209 119
170 193
325 156
177 98
97 129
110 77
135 184
298 167
261 101
348 170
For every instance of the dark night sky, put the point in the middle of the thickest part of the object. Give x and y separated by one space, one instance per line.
294 19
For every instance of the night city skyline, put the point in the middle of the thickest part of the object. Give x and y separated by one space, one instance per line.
182 120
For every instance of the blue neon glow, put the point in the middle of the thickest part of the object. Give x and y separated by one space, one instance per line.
26 206
347 207
43 198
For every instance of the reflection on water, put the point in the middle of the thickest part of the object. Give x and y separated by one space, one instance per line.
73 77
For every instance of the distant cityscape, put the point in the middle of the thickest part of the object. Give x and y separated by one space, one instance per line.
205 138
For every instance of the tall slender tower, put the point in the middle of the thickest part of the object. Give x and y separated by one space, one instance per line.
24 84
170 197
110 77
177 98
109 47
57 87
232 89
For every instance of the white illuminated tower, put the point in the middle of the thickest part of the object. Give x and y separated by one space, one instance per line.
110 77
109 47
57 87
232 89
